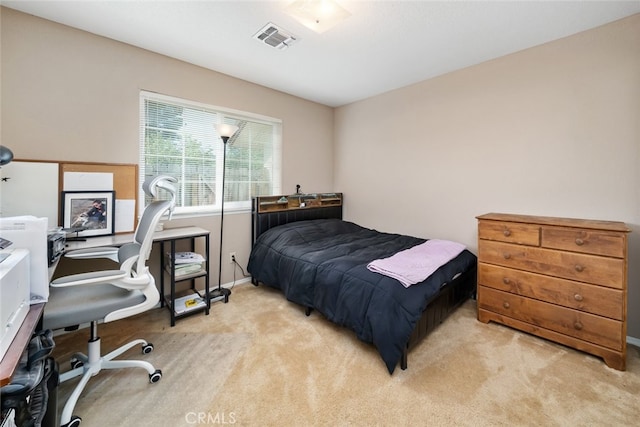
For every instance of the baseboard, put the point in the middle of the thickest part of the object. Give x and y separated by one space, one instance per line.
633 341
237 282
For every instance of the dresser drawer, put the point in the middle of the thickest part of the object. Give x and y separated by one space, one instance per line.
595 242
512 232
580 296
594 269
588 327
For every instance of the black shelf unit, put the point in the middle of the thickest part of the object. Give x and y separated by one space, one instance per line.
190 234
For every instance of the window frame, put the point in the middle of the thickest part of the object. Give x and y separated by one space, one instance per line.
221 114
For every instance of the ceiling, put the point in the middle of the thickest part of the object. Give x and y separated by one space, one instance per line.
382 46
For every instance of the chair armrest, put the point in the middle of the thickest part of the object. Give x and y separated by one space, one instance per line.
94 277
110 252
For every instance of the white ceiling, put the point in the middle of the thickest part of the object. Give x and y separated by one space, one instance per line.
382 46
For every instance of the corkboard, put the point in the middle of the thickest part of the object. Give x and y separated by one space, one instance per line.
125 180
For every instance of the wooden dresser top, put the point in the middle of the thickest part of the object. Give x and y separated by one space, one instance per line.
564 222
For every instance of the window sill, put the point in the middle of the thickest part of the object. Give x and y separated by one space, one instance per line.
227 211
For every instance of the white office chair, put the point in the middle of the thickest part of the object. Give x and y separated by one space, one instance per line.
105 296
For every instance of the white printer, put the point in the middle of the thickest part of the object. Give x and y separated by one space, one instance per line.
15 290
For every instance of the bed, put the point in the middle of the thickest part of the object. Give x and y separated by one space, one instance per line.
304 248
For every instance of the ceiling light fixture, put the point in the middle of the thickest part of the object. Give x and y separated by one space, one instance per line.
318 15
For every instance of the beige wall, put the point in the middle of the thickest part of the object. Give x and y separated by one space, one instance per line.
70 95
553 130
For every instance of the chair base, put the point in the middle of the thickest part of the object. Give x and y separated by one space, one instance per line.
92 363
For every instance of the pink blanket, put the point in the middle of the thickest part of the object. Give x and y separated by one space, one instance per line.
415 264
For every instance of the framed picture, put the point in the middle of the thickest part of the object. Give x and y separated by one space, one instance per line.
89 213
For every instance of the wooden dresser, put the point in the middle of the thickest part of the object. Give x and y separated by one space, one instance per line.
561 279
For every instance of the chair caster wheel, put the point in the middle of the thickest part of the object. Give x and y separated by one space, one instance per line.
146 349
75 363
155 377
74 422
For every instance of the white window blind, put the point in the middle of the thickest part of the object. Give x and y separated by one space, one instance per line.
178 138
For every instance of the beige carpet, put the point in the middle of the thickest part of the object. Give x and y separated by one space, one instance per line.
259 361
189 381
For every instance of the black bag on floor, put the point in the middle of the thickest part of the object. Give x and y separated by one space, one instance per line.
28 392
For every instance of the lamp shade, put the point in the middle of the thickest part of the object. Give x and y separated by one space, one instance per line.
225 130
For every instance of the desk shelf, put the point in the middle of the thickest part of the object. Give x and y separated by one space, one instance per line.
167 272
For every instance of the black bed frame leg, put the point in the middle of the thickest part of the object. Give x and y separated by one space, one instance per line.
307 311
403 361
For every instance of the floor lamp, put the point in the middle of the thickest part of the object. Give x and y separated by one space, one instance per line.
225 131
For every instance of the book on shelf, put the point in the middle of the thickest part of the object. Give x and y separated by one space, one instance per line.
188 303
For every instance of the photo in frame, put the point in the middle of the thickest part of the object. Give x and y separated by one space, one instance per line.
88 213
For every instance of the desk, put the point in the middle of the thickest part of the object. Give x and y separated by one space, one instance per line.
94 242
120 239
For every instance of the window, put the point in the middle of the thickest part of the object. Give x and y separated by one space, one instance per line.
178 138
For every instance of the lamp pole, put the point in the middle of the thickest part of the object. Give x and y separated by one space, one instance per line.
225 131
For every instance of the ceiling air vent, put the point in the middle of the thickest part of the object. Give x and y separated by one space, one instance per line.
275 36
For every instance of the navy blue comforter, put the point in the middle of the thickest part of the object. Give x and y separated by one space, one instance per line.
322 264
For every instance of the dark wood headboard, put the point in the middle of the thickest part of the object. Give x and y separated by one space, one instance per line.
271 211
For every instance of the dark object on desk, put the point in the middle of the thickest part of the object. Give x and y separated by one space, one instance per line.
321 264
76 231
56 241
32 392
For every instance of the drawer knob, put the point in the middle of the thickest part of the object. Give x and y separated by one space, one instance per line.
506 304
506 255
579 268
579 242
506 280
506 233
577 325
578 297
